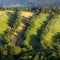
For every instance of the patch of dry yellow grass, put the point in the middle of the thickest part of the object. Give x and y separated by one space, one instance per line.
26 14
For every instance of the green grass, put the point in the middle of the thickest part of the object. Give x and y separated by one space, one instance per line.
37 24
3 22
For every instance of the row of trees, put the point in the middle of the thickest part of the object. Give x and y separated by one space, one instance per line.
36 9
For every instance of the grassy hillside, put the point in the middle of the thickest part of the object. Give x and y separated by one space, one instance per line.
52 28
30 34
3 22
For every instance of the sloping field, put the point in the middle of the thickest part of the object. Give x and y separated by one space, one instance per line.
4 19
26 14
52 28
3 22
31 33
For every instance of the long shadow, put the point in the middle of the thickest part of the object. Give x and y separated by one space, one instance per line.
56 37
56 40
35 39
12 18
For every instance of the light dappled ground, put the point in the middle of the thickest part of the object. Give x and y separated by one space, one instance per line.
21 27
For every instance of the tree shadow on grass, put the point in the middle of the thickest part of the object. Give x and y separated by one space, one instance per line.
56 37
12 18
34 41
56 40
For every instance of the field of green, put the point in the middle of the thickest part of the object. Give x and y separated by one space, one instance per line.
3 22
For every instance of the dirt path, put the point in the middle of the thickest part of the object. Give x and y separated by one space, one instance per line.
22 25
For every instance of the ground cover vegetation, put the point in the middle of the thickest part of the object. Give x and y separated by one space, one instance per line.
36 37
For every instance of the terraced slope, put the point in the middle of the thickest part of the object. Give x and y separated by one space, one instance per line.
52 28
32 34
3 22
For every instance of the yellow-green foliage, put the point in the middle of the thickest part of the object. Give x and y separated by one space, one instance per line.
37 22
51 29
3 22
